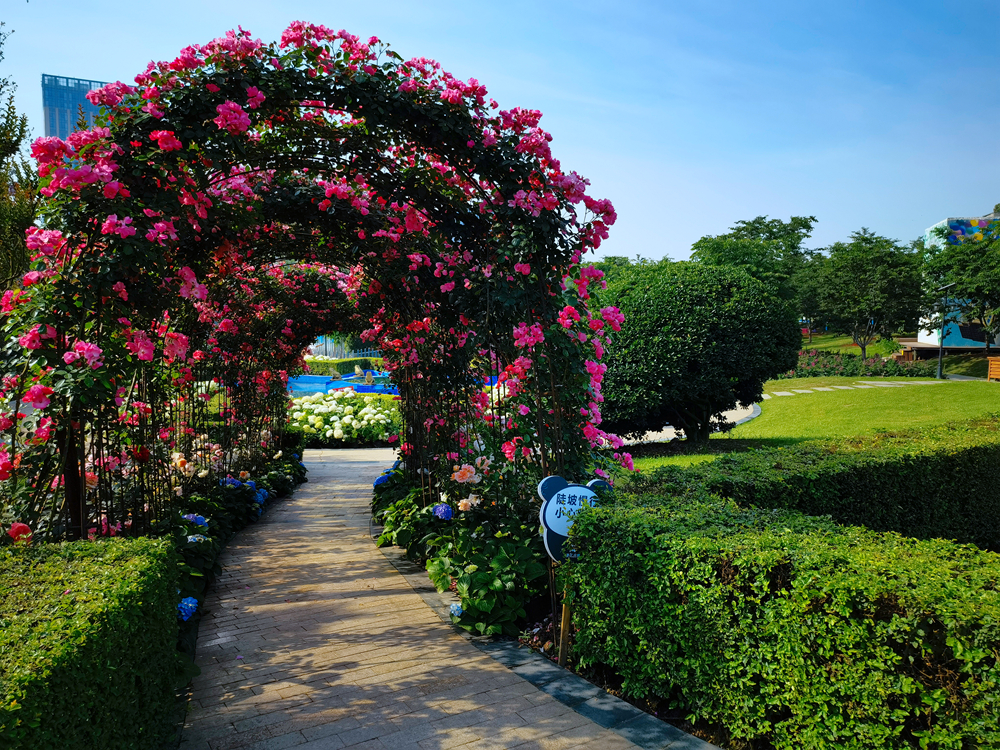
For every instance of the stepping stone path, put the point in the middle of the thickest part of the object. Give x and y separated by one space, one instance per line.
859 384
312 639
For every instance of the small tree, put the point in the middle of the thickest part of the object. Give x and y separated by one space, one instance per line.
697 341
871 288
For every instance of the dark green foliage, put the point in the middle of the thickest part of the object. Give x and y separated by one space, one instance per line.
818 364
345 366
934 482
495 566
786 630
87 644
770 250
697 340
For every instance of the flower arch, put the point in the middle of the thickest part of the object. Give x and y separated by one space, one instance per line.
243 198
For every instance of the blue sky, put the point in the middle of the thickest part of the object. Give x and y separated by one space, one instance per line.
689 116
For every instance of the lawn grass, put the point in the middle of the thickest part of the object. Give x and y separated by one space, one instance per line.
840 413
840 344
972 365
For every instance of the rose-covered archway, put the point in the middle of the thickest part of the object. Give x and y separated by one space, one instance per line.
243 198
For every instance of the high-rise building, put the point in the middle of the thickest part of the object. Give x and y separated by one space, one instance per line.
61 101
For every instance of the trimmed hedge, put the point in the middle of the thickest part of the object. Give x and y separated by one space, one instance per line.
937 482
786 630
820 364
88 651
344 366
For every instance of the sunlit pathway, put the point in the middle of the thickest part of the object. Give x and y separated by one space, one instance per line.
313 640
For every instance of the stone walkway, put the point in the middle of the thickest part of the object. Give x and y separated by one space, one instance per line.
862 384
313 640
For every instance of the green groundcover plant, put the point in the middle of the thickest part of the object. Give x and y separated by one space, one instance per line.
787 631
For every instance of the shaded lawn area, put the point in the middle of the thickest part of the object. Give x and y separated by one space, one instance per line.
785 420
971 365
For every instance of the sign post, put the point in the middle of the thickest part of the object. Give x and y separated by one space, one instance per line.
561 501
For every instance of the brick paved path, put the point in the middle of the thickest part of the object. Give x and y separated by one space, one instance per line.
313 640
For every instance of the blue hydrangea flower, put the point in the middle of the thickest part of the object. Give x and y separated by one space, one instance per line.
196 520
230 482
187 607
381 480
443 511
252 485
456 610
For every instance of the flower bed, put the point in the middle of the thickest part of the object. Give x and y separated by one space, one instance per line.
69 611
820 364
334 420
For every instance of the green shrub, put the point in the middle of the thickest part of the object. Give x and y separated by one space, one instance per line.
821 364
936 482
785 630
87 644
344 366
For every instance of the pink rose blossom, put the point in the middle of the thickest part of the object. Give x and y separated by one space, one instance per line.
254 97
166 140
38 396
232 118
90 352
31 339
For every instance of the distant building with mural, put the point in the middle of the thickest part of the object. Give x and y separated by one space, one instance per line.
960 333
61 101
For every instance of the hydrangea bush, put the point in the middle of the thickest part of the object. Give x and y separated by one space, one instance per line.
344 417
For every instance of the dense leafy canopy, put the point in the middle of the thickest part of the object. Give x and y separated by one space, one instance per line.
700 341
871 288
770 250
972 266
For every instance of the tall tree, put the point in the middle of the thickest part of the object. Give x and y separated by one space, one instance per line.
770 250
18 184
871 288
